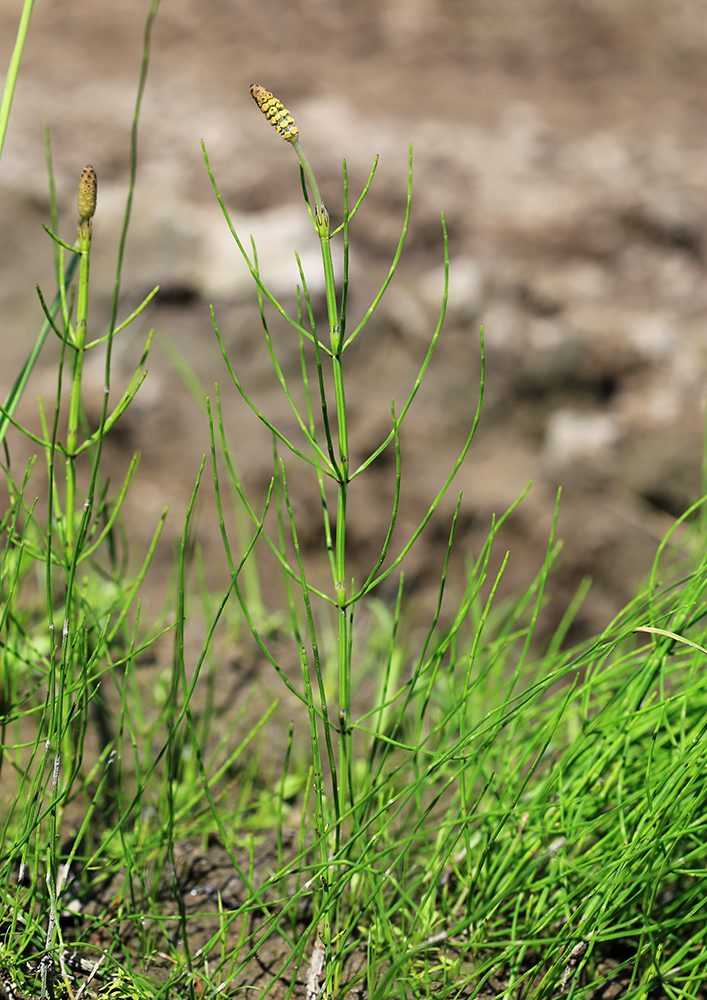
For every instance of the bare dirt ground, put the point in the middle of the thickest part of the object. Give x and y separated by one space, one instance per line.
564 141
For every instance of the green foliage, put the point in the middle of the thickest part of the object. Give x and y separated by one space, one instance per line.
468 813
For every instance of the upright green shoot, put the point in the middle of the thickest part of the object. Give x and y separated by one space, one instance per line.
343 814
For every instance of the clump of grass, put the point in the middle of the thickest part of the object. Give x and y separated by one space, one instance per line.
469 814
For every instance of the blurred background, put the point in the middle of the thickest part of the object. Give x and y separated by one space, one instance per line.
563 139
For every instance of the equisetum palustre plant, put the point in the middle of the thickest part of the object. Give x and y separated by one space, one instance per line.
342 815
87 591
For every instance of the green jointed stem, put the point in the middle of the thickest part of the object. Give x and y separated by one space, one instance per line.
319 208
280 118
320 218
87 206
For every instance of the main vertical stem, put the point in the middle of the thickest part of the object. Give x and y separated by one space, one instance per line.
72 433
321 219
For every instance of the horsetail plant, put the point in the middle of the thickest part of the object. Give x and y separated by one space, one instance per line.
338 466
93 597
342 813
88 189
